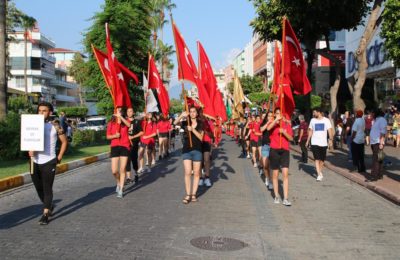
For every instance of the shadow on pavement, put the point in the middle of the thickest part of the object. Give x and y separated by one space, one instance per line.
90 198
20 216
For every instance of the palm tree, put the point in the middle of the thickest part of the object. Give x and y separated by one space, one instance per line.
3 79
27 23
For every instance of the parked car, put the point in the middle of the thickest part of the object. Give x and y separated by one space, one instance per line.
96 123
81 126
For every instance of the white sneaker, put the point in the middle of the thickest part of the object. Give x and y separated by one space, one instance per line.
266 182
255 165
277 200
286 202
201 182
270 186
117 189
261 171
120 194
320 177
140 170
207 182
153 163
248 156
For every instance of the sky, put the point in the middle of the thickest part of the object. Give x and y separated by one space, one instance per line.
222 26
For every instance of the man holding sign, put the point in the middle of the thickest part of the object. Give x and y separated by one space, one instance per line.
44 166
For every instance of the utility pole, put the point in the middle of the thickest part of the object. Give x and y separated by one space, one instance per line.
3 50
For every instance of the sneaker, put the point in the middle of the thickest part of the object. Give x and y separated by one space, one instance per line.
128 181
140 170
320 177
286 202
120 194
147 163
270 186
260 171
201 182
255 165
117 189
266 182
44 220
207 182
153 163
136 178
277 200
248 156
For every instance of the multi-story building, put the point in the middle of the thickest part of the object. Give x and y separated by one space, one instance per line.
243 62
263 60
43 79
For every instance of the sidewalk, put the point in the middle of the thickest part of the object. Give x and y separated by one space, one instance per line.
388 187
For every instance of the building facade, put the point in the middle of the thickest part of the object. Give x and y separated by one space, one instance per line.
44 79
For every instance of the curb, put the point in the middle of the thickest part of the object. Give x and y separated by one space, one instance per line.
25 178
393 197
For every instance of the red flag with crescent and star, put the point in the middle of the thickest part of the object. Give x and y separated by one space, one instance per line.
155 82
187 70
120 90
210 83
294 67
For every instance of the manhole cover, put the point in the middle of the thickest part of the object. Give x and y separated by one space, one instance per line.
218 243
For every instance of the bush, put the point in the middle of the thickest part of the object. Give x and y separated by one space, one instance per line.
10 133
73 111
88 137
258 97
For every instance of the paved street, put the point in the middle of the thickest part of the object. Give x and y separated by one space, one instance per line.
335 219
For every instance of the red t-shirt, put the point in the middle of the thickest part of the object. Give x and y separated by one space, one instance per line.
368 122
148 128
304 126
208 128
278 142
255 129
123 140
163 127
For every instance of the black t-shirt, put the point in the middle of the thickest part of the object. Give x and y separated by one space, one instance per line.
265 136
241 127
349 123
134 129
196 142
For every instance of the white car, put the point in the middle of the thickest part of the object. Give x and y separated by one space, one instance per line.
96 123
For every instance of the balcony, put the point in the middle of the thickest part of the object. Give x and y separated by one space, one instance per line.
66 98
64 84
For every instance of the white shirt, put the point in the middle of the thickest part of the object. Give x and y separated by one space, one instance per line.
320 131
378 127
359 127
50 140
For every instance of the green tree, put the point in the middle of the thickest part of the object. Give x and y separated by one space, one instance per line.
78 70
312 21
130 31
251 84
391 30
176 106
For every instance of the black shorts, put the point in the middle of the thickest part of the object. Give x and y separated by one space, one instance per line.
163 135
256 143
279 158
206 147
149 146
319 152
118 151
367 132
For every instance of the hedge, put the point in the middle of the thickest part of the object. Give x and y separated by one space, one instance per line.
73 111
88 137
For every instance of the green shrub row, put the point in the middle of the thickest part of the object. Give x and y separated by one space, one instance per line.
88 137
10 132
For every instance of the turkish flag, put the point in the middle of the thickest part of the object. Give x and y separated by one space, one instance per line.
155 82
102 60
187 71
120 90
210 83
193 102
294 67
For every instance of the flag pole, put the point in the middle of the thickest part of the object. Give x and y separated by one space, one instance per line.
282 72
182 84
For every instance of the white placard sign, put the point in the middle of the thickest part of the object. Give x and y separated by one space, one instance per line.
32 133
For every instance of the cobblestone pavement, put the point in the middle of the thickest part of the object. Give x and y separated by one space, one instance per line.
335 219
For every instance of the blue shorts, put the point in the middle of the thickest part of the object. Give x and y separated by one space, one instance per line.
194 155
265 150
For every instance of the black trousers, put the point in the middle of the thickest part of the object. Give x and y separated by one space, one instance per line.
43 179
304 151
377 166
358 154
133 158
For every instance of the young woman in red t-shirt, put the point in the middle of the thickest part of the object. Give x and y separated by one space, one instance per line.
117 132
163 128
281 134
147 141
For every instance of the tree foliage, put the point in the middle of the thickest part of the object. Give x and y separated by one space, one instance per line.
176 106
259 97
130 31
391 30
74 111
251 84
